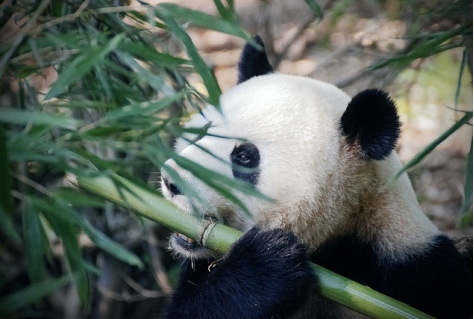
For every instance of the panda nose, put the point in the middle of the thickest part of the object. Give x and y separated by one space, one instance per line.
174 190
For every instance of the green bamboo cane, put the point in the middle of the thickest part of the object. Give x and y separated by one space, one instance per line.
220 238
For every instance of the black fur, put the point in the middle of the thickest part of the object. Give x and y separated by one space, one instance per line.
436 281
265 275
253 62
245 160
371 120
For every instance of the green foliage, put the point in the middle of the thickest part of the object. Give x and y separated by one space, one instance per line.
465 217
114 107
428 149
5 178
11 304
314 6
429 44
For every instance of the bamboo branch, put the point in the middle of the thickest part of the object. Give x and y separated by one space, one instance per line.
220 238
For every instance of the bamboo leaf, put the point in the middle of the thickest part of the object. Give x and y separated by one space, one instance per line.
26 155
149 18
207 76
70 40
81 65
226 13
7 226
143 52
426 48
14 302
57 8
100 105
110 246
33 235
100 132
157 156
16 116
155 81
99 238
466 215
428 149
68 232
103 80
147 108
216 179
63 215
6 200
205 20
76 198
461 72
314 6
96 161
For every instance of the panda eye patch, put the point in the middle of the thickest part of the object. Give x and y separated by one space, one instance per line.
243 157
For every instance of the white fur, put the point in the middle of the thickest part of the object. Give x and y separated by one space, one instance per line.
321 186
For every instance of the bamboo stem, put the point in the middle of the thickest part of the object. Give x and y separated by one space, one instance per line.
220 238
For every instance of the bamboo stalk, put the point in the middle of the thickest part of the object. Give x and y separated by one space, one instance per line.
220 238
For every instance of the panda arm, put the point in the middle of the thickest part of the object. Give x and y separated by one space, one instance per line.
437 281
265 275
434 279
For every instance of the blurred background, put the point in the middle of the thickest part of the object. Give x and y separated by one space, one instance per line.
100 87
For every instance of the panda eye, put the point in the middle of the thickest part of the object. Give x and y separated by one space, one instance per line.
243 158
245 155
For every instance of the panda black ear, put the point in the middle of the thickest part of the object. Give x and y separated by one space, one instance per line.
253 62
371 120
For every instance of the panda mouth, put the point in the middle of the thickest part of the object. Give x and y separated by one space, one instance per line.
188 247
185 241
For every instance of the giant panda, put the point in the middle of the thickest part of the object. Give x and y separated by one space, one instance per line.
326 160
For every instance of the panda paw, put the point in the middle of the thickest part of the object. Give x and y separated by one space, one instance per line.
275 269
265 275
277 249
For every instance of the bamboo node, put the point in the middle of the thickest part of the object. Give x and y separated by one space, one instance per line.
206 231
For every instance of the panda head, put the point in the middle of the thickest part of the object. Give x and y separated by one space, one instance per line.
302 142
